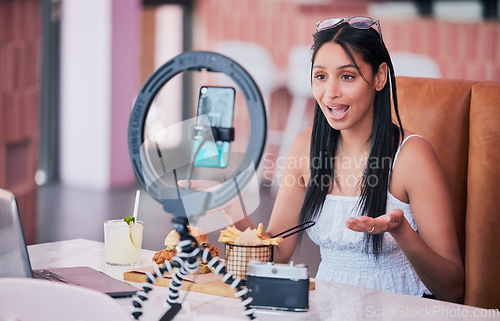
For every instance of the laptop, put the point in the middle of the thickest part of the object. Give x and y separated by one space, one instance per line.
14 259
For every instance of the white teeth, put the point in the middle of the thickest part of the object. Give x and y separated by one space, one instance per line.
338 110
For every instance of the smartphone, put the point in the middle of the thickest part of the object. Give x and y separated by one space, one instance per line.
215 108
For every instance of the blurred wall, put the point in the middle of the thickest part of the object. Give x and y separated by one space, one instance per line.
99 81
20 46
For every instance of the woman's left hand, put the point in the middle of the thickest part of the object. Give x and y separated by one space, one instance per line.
389 222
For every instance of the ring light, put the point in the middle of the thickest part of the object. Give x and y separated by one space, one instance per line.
199 201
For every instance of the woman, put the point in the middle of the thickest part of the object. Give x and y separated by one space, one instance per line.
377 192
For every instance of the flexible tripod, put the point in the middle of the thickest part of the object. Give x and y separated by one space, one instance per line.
187 261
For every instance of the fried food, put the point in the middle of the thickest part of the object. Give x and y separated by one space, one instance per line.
164 255
252 237
171 247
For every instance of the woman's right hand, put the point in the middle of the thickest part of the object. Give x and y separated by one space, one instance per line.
210 186
200 185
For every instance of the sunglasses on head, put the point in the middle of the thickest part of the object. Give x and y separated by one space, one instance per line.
355 22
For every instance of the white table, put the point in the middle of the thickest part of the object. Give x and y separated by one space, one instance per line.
329 301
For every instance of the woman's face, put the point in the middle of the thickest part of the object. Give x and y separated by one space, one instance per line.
345 98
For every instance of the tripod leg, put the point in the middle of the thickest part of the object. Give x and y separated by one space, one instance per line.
187 261
227 277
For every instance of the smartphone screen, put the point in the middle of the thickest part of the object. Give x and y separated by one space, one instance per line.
216 105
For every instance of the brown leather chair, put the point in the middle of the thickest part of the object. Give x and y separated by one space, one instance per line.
482 224
438 110
461 119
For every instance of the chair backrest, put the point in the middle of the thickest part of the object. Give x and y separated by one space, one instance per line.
30 299
255 59
460 119
438 110
299 72
299 86
482 253
414 65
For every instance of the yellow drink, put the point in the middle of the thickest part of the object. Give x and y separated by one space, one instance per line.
123 242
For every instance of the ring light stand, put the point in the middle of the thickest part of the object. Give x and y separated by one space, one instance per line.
187 260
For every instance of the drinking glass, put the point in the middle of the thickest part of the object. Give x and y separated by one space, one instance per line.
123 242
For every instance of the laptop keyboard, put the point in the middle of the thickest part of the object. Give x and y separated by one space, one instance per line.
47 275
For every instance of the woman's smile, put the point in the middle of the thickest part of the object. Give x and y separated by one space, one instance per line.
338 111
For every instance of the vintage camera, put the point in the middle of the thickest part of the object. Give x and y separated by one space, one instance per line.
278 286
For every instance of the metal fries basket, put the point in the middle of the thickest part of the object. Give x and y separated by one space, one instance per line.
238 256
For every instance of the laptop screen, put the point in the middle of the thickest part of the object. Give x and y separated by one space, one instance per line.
14 261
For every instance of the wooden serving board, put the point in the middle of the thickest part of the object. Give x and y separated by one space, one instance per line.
209 283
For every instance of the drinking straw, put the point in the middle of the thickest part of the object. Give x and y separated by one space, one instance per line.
136 204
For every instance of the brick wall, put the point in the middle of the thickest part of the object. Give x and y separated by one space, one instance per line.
20 43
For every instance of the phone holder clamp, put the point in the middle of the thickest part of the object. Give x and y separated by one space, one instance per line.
220 134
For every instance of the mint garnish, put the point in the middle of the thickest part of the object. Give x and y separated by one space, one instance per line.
129 219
